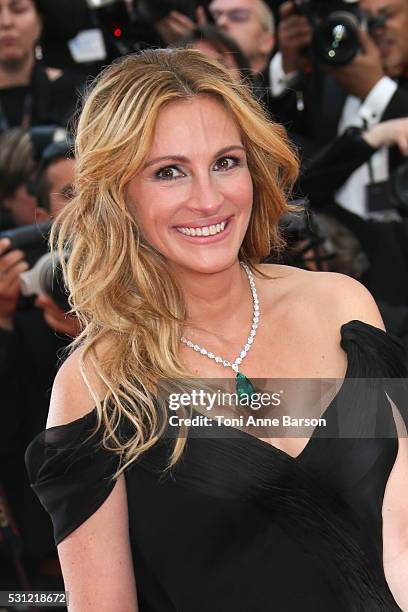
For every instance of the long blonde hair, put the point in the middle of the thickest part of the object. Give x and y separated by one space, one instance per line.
120 286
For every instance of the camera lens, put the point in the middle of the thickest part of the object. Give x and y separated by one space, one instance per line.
336 40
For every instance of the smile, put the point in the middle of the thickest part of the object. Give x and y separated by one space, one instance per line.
208 230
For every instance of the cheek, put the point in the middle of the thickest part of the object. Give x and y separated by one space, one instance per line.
151 208
240 192
31 29
241 35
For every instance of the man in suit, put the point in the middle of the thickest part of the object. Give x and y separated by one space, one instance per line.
333 114
322 105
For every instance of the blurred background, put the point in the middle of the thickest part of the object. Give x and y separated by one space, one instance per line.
333 72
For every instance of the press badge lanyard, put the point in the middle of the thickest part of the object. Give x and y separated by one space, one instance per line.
26 119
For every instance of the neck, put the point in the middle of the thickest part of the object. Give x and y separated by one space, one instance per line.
16 73
217 303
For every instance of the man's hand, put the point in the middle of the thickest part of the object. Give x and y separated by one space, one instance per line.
56 318
294 34
11 266
360 76
175 25
388 133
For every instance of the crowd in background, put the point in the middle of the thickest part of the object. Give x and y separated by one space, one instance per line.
347 119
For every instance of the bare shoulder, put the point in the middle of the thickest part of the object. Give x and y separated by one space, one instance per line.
71 397
331 296
345 297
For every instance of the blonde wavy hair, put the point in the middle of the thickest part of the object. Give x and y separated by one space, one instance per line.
120 287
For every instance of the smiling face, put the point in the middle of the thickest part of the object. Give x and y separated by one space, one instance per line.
193 198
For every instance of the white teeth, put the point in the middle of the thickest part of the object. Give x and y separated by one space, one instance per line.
209 230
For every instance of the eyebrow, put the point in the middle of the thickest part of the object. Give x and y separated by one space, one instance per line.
183 159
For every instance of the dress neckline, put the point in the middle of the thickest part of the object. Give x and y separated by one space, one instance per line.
253 439
348 374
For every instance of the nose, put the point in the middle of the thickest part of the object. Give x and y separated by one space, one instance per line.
206 196
6 18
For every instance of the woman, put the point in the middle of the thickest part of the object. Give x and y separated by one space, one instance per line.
180 176
30 93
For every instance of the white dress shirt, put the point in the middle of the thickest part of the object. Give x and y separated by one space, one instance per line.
352 194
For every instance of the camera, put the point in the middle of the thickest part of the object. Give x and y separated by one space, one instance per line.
392 193
336 25
113 19
41 277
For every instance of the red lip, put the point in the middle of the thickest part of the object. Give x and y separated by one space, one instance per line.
8 40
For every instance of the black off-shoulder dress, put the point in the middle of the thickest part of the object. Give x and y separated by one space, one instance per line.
239 525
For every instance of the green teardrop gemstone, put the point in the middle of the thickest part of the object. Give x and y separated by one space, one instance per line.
244 386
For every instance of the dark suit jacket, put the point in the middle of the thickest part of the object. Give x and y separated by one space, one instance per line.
53 101
315 126
29 359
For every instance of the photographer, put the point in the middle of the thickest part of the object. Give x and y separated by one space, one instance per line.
251 24
50 189
20 152
385 243
318 103
17 165
157 23
31 341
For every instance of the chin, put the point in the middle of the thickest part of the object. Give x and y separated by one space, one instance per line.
207 264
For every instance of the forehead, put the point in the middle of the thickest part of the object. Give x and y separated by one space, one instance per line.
188 126
226 5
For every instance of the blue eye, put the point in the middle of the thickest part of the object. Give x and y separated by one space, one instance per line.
227 163
168 173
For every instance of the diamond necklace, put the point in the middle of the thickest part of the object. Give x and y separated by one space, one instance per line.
242 384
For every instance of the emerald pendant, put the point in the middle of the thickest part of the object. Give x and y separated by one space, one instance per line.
243 386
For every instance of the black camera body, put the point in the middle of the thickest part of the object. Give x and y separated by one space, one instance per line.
42 277
336 25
